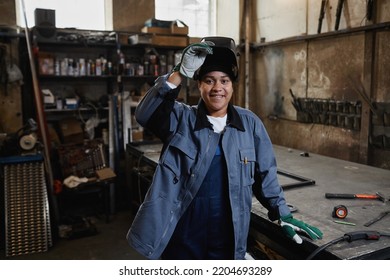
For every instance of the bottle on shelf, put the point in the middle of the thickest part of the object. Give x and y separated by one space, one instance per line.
146 64
121 65
82 67
163 64
64 67
76 68
98 68
109 68
70 67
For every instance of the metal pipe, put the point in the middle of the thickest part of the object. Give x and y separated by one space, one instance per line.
247 50
338 14
40 111
379 26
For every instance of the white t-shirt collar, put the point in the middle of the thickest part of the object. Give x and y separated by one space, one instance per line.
218 123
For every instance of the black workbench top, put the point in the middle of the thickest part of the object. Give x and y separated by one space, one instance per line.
337 176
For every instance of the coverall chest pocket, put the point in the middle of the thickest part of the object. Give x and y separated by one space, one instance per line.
247 163
179 157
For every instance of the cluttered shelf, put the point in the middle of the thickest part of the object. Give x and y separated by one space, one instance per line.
103 77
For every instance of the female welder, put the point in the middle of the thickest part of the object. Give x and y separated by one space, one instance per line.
215 156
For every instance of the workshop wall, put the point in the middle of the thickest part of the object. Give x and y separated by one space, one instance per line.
288 56
7 13
130 15
274 21
10 94
331 66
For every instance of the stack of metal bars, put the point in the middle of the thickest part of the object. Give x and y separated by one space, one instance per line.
27 220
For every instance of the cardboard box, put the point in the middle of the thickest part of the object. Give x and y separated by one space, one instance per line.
173 30
158 40
105 173
137 135
123 38
179 30
71 131
170 41
193 40
140 39
156 30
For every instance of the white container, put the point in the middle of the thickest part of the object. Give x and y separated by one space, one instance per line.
83 71
98 68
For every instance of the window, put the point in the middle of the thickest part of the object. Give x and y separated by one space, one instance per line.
81 14
199 15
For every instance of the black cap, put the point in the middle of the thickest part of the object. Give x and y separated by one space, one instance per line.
223 58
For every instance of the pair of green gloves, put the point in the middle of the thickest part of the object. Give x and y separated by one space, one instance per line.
291 227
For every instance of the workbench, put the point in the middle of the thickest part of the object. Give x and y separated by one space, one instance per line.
305 178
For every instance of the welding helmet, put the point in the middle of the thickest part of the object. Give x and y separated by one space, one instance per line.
223 58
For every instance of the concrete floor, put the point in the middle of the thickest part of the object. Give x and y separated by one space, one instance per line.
108 244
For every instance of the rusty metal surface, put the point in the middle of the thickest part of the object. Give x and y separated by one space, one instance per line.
331 62
382 66
131 15
7 12
10 96
323 68
325 140
10 108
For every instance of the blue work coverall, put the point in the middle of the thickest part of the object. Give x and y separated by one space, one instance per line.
188 151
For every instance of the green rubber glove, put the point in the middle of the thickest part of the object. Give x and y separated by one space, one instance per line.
193 57
292 226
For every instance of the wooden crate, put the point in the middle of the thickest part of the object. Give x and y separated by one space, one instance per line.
170 41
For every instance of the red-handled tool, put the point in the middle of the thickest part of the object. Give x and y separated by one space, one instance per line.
377 195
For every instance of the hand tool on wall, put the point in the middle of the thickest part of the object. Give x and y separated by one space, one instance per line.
338 14
321 17
295 102
377 195
359 88
381 216
371 5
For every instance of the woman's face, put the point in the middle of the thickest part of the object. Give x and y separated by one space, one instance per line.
216 89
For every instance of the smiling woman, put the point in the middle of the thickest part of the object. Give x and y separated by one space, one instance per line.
66 16
215 157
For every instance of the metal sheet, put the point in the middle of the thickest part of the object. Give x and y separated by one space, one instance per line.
27 219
